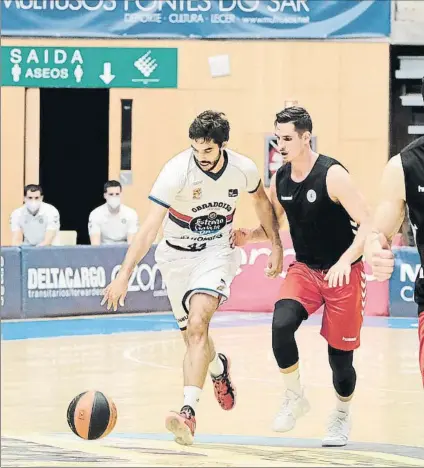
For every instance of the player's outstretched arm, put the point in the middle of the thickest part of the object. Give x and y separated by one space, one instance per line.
342 189
262 204
386 220
116 291
390 210
266 214
143 239
269 225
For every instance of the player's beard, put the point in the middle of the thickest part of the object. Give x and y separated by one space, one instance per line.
215 163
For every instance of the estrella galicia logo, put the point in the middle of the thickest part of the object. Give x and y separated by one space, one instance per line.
233 192
208 224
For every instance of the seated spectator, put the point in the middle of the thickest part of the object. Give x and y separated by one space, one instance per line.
35 223
112 222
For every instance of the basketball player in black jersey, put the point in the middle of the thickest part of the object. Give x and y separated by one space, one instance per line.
402 184
324 209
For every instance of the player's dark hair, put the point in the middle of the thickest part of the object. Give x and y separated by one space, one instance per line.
210 126
32 188
298 116
111 183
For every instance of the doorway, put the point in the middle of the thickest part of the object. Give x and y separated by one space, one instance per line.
74 153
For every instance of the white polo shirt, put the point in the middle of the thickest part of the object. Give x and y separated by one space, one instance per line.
113 227
34 226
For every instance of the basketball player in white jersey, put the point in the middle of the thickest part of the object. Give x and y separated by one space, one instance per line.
197 192
113 222
35 223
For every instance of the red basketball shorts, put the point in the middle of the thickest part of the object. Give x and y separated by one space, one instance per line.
343 305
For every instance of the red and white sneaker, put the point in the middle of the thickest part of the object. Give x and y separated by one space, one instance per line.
182 425
224 390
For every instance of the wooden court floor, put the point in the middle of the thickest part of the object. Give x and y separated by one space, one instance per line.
141 371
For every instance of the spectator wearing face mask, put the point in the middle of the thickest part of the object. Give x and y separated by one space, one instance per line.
35 223
112 222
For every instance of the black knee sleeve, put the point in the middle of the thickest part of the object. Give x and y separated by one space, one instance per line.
288 315
344 374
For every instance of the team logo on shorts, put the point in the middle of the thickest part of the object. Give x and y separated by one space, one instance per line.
311 196
197 193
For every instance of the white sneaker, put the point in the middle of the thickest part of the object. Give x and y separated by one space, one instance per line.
338 430
293 407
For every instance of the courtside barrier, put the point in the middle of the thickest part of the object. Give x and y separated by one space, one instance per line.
402 282
61 281
10 272
252 291
68 281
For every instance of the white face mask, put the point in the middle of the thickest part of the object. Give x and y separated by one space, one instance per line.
114 202
33 205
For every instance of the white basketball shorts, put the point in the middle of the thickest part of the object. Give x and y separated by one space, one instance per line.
210 271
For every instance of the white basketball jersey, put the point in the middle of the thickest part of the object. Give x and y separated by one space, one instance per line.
201 205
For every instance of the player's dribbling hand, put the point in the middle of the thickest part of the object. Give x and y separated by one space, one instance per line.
382 259
115 293
275 262
239 237
339 273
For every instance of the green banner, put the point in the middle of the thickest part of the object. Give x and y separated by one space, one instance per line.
89 67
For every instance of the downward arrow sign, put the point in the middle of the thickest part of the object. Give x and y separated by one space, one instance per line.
107 76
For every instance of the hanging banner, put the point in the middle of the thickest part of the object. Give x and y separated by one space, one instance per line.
224 19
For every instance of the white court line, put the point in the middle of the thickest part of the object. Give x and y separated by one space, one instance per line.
128 354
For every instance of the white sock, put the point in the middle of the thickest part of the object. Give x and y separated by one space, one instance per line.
292 381
191 396
216 366
343 406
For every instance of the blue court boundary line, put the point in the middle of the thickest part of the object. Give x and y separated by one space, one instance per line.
107 325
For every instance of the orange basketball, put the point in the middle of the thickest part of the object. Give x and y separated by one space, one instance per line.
92 415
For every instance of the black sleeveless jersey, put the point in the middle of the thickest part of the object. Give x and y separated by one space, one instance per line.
321 229
412 157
